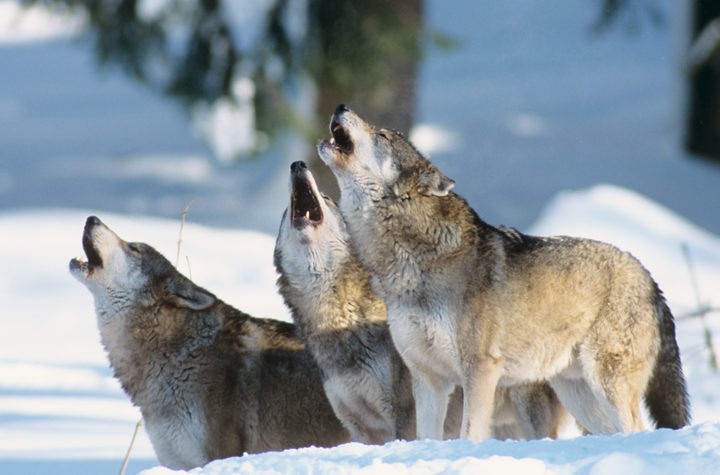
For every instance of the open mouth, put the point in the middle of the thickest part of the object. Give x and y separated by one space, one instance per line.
340 140
305 207
93 257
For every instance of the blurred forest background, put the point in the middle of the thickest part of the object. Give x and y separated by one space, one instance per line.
364 53
265 70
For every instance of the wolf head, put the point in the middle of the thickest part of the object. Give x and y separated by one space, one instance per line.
312 237
377 162
129 277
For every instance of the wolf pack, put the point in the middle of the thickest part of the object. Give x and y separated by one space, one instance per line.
413 318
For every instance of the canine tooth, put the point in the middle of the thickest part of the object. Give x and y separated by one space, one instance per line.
307 214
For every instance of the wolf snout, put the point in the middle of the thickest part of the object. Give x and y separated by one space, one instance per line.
297 167
92 221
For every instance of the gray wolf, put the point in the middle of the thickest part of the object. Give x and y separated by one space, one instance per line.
210 381
485 306
345 326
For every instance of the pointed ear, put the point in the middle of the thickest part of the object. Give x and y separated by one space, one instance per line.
432 182
185 294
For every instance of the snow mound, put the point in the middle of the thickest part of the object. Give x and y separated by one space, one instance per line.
695 449
653 234
60 403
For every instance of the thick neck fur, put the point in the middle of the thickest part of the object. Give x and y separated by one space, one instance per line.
397 237
148 346
327 289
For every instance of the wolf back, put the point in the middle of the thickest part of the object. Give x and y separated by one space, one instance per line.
483 306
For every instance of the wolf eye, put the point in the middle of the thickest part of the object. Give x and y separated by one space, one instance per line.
385 134
134 247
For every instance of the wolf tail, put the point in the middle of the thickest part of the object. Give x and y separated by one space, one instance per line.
666 395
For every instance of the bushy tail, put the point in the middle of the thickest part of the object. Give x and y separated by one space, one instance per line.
666 396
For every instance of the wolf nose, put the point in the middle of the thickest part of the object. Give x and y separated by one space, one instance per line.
297 166
92 221
341 108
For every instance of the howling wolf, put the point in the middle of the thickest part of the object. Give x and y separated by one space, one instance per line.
210 380
345 326
481 306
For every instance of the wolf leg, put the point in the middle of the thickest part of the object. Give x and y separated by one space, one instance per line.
621 398
479 402
365 422
431 402
537 409
588 405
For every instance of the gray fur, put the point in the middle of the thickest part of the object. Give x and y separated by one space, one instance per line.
483 306
345 326
340 318
210 380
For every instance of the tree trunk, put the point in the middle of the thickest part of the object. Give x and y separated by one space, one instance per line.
703 114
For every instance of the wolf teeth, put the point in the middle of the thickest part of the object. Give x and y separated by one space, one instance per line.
307 214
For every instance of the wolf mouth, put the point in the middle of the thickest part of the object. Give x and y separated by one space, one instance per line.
340 140
305 205
92 255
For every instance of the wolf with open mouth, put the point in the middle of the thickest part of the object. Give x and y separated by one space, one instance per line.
211 381
484 306
345 326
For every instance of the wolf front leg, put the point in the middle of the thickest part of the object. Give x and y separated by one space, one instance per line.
431 402
479 392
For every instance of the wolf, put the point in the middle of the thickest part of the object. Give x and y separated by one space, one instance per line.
483 306
210 381
345 326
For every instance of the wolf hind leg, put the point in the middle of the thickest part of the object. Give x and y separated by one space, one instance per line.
579 399
537 409
620 394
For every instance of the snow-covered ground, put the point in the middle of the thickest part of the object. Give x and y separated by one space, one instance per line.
60 406
526 107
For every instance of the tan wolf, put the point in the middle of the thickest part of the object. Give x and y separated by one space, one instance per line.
483 306
345 326
210 381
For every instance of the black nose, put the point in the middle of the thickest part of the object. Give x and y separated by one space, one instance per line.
341 108
297 166
92 221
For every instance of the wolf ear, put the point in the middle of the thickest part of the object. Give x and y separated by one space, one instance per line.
432 182
187 295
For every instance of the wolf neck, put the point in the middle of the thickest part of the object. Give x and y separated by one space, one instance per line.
338 299
142 354
393 236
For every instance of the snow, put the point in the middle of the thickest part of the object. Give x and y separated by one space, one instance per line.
36 23
58 399
692 450
431 139
229 124
539 113
655 236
